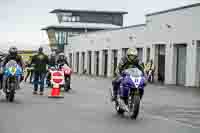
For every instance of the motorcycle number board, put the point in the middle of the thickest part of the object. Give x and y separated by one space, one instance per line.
57 77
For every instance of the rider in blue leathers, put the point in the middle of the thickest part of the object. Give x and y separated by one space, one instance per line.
128 61
13 55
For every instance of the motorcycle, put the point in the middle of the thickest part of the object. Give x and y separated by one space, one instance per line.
67 74
130 92
13 73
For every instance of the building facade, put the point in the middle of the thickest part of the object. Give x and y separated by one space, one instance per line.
73 22
170 38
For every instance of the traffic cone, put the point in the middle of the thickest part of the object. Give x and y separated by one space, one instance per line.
55 92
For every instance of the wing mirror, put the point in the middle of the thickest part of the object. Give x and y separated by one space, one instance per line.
123 74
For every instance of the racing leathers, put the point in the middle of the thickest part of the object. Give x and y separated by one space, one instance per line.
19 61
123 64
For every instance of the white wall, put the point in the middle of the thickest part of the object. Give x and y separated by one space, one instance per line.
184 28
114 39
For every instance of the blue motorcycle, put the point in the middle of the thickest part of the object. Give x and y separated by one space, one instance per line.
130 92
12 74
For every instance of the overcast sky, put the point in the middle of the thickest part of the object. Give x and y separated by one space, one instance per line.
21 20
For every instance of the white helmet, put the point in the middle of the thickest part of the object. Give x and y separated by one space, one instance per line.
61 54
132 54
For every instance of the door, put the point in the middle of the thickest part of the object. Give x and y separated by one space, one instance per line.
148 54
70 59
161 63
83 61
105 62
90 61
114 61
140 53
97 63
77 62
181 64
124 51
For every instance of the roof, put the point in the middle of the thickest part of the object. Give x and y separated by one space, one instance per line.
174 9
115 29
87 11
70 25
131 26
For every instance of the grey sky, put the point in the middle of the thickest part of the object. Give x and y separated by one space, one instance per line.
21 20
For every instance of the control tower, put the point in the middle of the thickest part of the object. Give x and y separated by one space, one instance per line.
74 22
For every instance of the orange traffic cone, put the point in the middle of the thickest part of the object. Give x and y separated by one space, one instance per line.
55 92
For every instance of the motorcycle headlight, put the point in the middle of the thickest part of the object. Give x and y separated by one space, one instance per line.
12 70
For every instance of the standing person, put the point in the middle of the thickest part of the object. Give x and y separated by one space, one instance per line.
40 62
150 69
52 59
52 63
29 70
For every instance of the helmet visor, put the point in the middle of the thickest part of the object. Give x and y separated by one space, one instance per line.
131 57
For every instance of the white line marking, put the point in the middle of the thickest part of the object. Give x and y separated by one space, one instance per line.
170 120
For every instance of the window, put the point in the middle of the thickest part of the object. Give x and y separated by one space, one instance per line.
71 19
65 37
56 35
60 38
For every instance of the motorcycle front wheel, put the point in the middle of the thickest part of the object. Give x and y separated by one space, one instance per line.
10 94
136 107
67 84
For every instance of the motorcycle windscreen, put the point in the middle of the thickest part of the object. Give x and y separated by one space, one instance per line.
136 76
12 68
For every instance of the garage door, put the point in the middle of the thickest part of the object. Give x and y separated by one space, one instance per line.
181 64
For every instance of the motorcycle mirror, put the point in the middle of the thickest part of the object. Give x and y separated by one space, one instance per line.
123 74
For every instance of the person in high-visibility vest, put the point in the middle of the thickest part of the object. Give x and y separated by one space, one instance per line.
149 67
29 69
